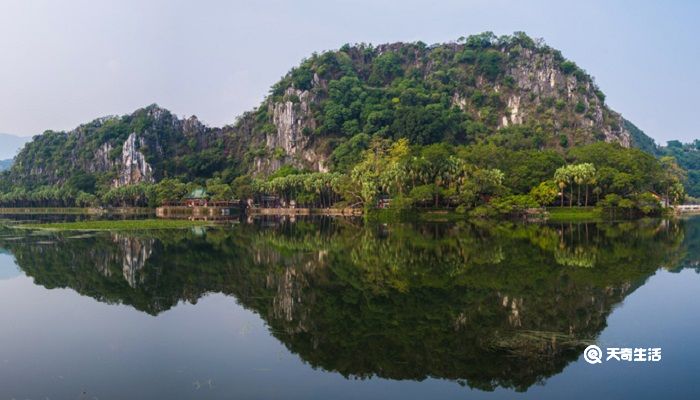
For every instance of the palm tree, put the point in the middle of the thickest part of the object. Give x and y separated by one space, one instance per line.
597 191
562 177
578 175
589 176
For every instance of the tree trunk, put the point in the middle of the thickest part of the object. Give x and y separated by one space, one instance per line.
562 198
571 196
578 196
586 195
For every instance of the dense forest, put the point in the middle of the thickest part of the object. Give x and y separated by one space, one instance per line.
484 124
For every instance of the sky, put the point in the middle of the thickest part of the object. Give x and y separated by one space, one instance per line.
66 63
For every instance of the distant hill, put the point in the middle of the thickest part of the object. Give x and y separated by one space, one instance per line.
688 157
640 140
512 91
10 145
5 164
686 154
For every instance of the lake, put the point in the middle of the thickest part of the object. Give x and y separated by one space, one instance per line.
339 309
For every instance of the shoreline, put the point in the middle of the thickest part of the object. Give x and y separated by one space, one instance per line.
551 214
75 211
340 212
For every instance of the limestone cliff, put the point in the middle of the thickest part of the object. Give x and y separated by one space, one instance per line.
290 141
142 147
539 78
133 168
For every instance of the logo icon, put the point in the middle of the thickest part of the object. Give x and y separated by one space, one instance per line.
593 354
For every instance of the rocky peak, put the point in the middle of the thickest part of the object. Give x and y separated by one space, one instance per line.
157 113
133 168
192 126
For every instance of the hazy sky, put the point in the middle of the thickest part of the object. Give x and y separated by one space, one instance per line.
68 62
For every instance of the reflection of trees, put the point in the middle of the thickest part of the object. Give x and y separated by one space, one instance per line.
576 257
689 257
485 306
510 321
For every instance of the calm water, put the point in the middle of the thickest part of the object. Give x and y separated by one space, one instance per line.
332 309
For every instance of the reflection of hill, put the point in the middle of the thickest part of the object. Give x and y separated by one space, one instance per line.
500 306
691 245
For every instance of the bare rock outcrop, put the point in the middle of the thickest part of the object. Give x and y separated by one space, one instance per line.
291 142
134 168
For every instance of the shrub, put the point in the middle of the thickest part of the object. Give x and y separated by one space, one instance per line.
513 204
488 63
509 81
423 194
568 67
610 200
483 212
600 95
278 153
401 203
648 204
545 193
563 140
302 78
467 56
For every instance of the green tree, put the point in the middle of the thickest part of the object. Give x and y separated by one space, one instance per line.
672 178
218 190
170 189
545 193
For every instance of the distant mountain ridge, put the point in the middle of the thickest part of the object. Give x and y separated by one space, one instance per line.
11 144
6 164
686 154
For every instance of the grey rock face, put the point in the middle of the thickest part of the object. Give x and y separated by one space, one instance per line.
134 168
538 77
102 161
292 140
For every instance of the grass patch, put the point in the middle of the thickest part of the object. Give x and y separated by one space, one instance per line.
441 216
116 225
574 214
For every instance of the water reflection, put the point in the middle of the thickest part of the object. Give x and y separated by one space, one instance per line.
486 306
